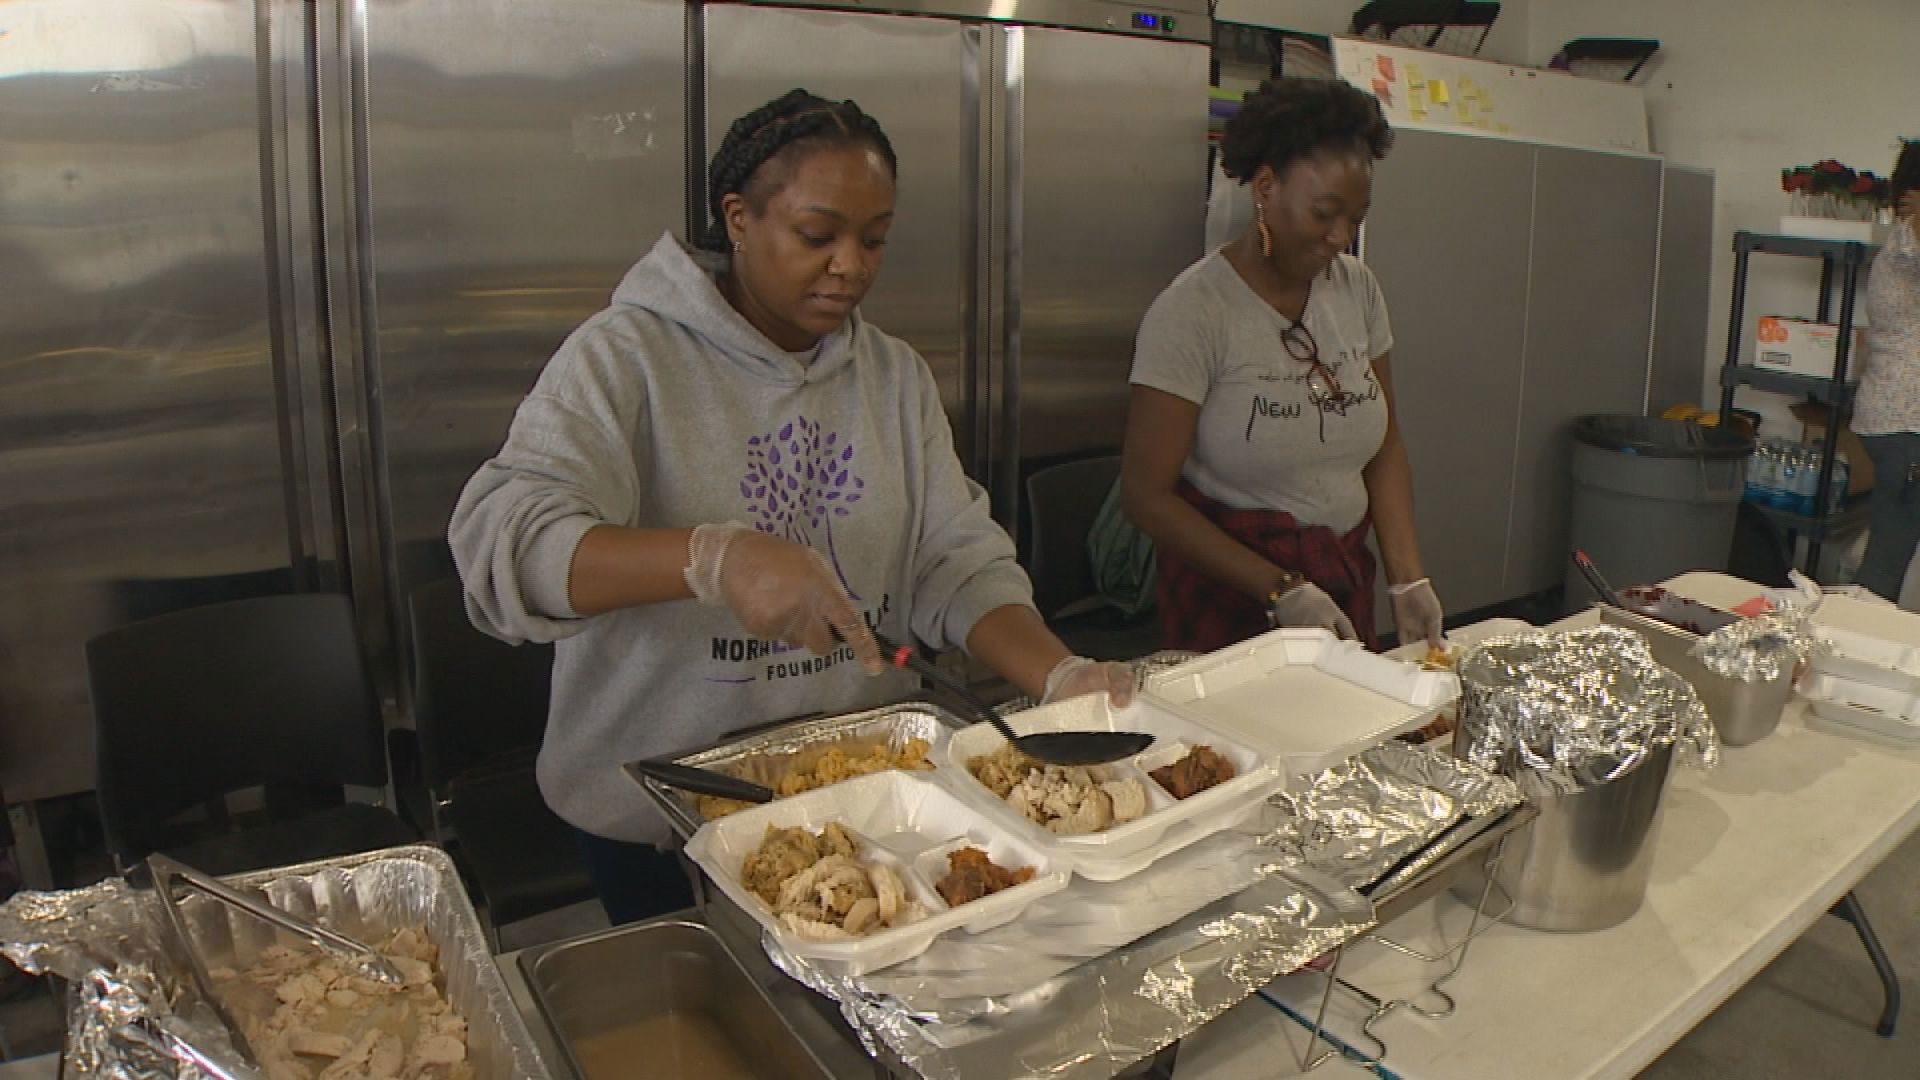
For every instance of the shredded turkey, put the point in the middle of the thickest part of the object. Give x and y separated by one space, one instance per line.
819 887
1065 800
309 1015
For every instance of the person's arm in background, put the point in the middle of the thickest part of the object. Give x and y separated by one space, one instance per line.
1417 611
1389 481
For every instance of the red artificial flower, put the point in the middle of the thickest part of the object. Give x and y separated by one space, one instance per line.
1862 185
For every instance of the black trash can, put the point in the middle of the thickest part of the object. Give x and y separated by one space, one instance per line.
1652 498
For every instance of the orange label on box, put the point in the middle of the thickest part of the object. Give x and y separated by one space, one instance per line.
1772 330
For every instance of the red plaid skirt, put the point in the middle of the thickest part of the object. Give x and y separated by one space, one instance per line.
1199 614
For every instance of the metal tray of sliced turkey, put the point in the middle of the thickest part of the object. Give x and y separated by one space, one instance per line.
1108 822
853 874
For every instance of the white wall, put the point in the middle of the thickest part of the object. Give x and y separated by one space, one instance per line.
1751 87
1508 42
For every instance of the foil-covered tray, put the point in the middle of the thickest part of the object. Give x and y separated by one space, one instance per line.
1384 817
765 756
1462 848
105 938
1108 1012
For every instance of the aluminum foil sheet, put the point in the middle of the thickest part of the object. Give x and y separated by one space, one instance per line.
1107 1012
1381 814
764 756
1562 712
138 1017
1765 648
131 1007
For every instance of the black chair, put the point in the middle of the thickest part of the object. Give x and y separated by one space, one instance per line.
1062 503
480 709
266 693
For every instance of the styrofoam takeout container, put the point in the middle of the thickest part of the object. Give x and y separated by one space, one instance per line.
1461 639
1169 823
1305 700
1864 658
1879 710
908 821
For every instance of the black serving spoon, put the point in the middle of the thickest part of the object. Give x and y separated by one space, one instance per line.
702 781
1052 747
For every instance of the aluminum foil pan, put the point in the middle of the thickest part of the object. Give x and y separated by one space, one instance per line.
765 756
1563 712
1117 1008
138 1017
1385 814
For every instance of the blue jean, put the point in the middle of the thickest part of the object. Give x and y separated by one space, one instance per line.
1893 512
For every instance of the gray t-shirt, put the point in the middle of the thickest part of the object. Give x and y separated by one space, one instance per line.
1273 433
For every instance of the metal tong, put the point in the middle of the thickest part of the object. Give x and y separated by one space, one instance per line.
169 873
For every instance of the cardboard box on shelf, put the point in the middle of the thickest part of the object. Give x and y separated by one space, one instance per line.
1801 346
1813 432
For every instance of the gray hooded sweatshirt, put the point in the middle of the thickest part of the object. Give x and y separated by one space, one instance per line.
668 409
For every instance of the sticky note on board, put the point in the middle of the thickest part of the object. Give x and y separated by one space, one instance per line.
1383 90
1437 91
1384 65
1418 112
1463 110
1486 103
1413 74
1502 129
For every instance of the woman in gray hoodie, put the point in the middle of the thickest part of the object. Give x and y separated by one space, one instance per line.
731 432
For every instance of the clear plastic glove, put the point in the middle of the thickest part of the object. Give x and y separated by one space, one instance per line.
1077 675
1417 613
1309 605
778 590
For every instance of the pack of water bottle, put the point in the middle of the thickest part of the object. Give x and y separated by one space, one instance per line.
1786 474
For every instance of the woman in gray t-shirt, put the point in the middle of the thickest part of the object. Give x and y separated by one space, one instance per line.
1261 444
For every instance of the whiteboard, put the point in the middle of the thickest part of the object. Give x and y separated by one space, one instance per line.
1434 91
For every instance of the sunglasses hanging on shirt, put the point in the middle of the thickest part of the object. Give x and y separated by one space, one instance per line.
1322 385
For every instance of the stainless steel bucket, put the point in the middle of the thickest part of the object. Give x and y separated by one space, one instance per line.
1743 713
1584 864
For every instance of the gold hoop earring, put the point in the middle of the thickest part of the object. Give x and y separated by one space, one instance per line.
1266 234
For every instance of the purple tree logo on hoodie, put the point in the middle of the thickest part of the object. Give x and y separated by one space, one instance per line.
798 481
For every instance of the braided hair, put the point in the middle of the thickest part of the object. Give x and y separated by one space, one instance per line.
1288 119
794 119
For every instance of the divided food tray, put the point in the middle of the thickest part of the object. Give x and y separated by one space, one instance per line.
1873 619
1304 700
1169 824
1461 639
907 821
1868 659
1878 710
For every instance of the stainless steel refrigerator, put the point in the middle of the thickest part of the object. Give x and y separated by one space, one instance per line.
273 276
